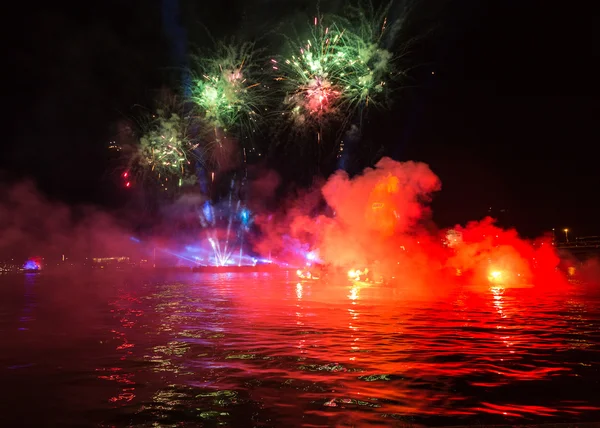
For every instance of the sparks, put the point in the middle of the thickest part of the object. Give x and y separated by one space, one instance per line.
227 90
334 71
164 150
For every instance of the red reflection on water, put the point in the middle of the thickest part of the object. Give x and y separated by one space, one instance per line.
516 410
127 316
414 346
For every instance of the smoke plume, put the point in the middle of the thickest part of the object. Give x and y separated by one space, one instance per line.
32 225
381 219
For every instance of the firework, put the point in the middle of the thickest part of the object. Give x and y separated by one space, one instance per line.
339 68
165 151
313 77
227 89
230 99
164 148
373 66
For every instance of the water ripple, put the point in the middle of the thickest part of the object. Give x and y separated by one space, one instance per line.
242 350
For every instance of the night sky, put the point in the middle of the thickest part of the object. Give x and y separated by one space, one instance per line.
506 120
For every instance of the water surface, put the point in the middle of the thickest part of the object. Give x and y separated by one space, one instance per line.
110 349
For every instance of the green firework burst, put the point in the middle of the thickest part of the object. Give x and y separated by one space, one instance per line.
165 150
228 90
340 67
313 76
374 66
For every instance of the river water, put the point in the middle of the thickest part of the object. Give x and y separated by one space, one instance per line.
258 349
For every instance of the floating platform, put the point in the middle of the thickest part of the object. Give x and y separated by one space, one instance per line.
239 269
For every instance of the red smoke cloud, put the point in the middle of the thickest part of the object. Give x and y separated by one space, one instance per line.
373 214
31 224
380 220
486 251
275 227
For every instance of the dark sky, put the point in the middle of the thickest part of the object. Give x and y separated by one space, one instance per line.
506 121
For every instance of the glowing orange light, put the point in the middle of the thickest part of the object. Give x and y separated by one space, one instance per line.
299 291
495 275
392 184
305 274
356 274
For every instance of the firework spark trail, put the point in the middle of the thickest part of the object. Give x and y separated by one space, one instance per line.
165 150
375 63
224 240
374 32
226 253
341 69
309 76
228 92
220 256
241 250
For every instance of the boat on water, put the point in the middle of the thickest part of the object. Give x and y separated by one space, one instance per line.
235 269
33 265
